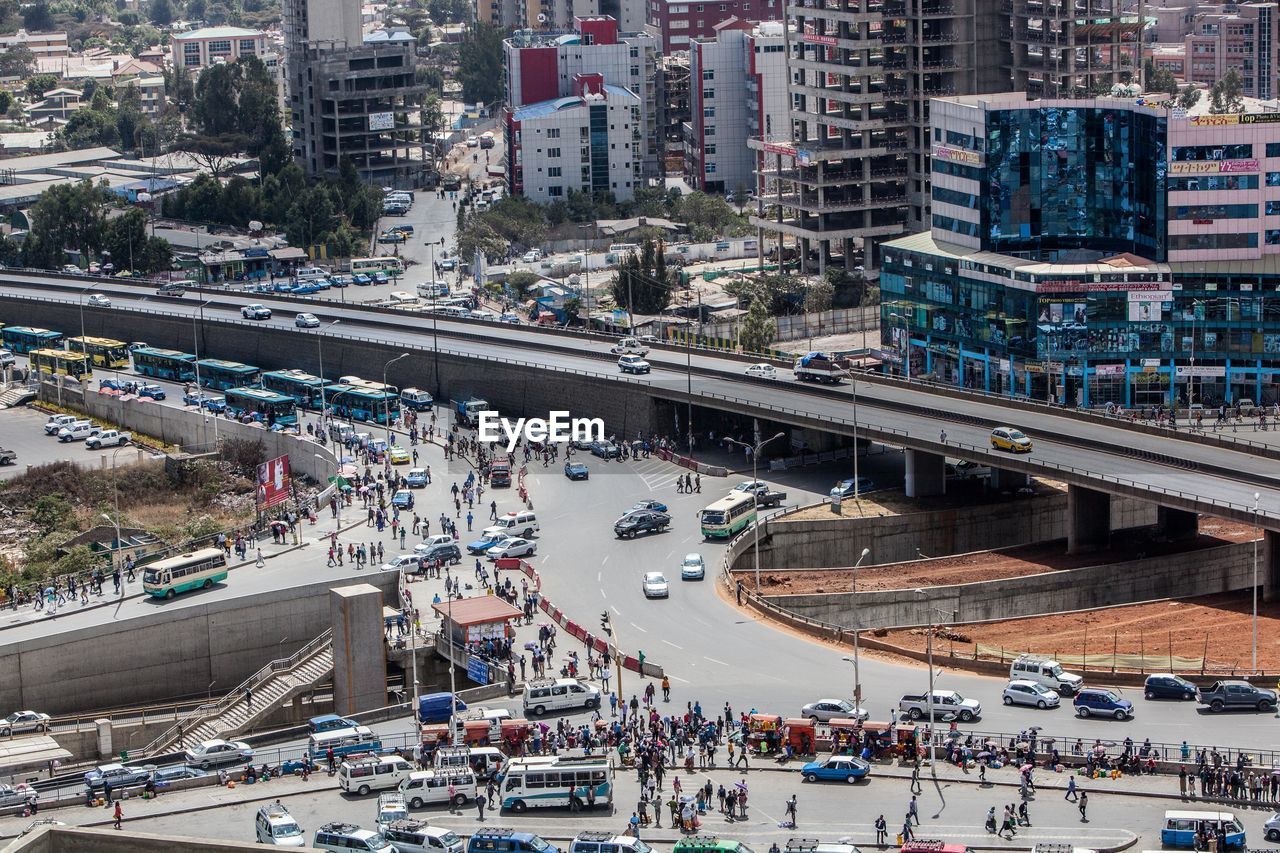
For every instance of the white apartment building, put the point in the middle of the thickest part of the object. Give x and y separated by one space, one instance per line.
738 91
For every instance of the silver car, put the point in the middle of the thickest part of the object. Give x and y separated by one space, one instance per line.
655 585
693 568
24 721
1030 693
826 710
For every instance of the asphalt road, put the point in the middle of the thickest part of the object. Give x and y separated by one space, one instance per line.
1058 451
953 810
24 432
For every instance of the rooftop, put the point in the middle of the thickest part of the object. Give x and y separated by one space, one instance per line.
543 109
218 33
1155 101
481 610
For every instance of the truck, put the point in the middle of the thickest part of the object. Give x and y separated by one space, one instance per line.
630 346
77 431
108 438
764 496
57 422
467 412
946 704
500 474
1236 695
7 457
818 367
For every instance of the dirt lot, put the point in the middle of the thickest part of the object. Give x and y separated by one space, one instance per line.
1223 621
1010 563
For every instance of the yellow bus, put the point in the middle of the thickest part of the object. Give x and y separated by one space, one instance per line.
102 352
61 362
384 263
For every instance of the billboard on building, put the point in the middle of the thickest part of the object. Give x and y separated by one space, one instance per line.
382 121
273 482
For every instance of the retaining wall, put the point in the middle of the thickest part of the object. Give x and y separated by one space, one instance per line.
1203 572
175 652
819 543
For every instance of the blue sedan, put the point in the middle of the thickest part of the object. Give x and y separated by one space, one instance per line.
416 478
656 506
576 471
480 546
402 499
844 768
306 288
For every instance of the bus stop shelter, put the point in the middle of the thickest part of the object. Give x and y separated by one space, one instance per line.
21 758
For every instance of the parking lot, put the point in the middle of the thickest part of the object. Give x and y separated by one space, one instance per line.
23 431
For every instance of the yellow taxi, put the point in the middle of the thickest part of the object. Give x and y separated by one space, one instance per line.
1010 439
398 455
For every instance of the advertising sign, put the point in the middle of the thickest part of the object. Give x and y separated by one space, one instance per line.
382 121
1147 305
1211 167
956 155
273 482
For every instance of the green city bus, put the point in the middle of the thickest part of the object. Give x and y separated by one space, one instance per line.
197 570
728 516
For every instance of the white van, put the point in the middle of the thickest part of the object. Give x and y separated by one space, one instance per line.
416 399
402 297
515 524
433 289
344 837
342 742
560 694
432 786
418 836
391 808
598 841
453 311
380 773
484 761
311 274
274 825
1045 671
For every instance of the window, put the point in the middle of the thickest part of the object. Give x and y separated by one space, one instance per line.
1217 211
709 130
553 172
553 133
1217 182
246 47
708 93
221 47
1273 149
1188 242
191 54
709 74
711 150
708 112
678 25
1216 152
553 152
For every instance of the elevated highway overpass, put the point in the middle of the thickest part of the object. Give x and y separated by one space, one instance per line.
520 369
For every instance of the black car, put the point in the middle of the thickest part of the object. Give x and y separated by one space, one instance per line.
576 471
644 521
444 553
1166 686
605 449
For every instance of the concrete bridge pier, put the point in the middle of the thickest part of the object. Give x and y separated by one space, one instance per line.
1088 520
1002 478
1269 565
359 659
1177 525
926 474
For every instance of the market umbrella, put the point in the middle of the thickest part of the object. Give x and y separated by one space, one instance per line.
1023 745
986 753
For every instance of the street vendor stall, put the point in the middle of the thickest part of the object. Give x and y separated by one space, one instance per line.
480 624
764 733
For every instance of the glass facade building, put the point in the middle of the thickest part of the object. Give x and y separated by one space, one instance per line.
1068 261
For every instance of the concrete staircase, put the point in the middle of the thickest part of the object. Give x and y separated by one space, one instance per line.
16 395
272 686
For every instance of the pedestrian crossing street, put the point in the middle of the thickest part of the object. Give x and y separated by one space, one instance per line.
657 474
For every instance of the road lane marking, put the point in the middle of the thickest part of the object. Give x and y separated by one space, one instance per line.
713 660
598 576
673 645
602 595
605 560
677 678
615 610
638 628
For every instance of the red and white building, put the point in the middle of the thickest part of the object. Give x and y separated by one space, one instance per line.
679 23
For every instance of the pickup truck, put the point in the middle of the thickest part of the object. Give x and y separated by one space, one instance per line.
764 497
1236 695
818 367
57 422
630 346
108 438
946 704
77 431
8 457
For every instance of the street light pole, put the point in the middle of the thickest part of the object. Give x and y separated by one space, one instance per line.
1256 498
324 407
387 397
857 680
755 457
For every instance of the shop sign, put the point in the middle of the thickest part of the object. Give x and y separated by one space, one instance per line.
1183 371
1109 370
956 155
1004 365
1212 167
817 39
1058 286
1151 365
775 148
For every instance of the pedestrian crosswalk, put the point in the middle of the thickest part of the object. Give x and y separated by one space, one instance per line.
656 473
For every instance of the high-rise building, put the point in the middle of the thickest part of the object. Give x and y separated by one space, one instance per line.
1244 40
544 66
741 93
673 107
201 48
1071 48
1093 251
352 96
679 22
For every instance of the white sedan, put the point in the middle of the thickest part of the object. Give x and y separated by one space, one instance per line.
213 752
24 721
655 585
513 548
99 301
306 321
763 371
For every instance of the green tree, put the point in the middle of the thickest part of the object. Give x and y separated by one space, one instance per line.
1188 97
818 294
1227 95
345 242
157 255
125 237
236 103
758 328
18 61
6 101
638 286
848 290
707 216
39 84
10 251
1159 79
476 235
310 217
50 512
161 12
180 88
480 64
37 17
68 216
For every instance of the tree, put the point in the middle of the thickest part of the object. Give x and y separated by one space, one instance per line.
68 216
739 196
37 17
39 84
1159 79
125 238
1227 95
18 61
480 64
6 101
236 103
157 255
817 294
180 89
476 235
161 13
707 216
758 328
215 153
310 217
10 251
848 291
345 242
1188 97
637 285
